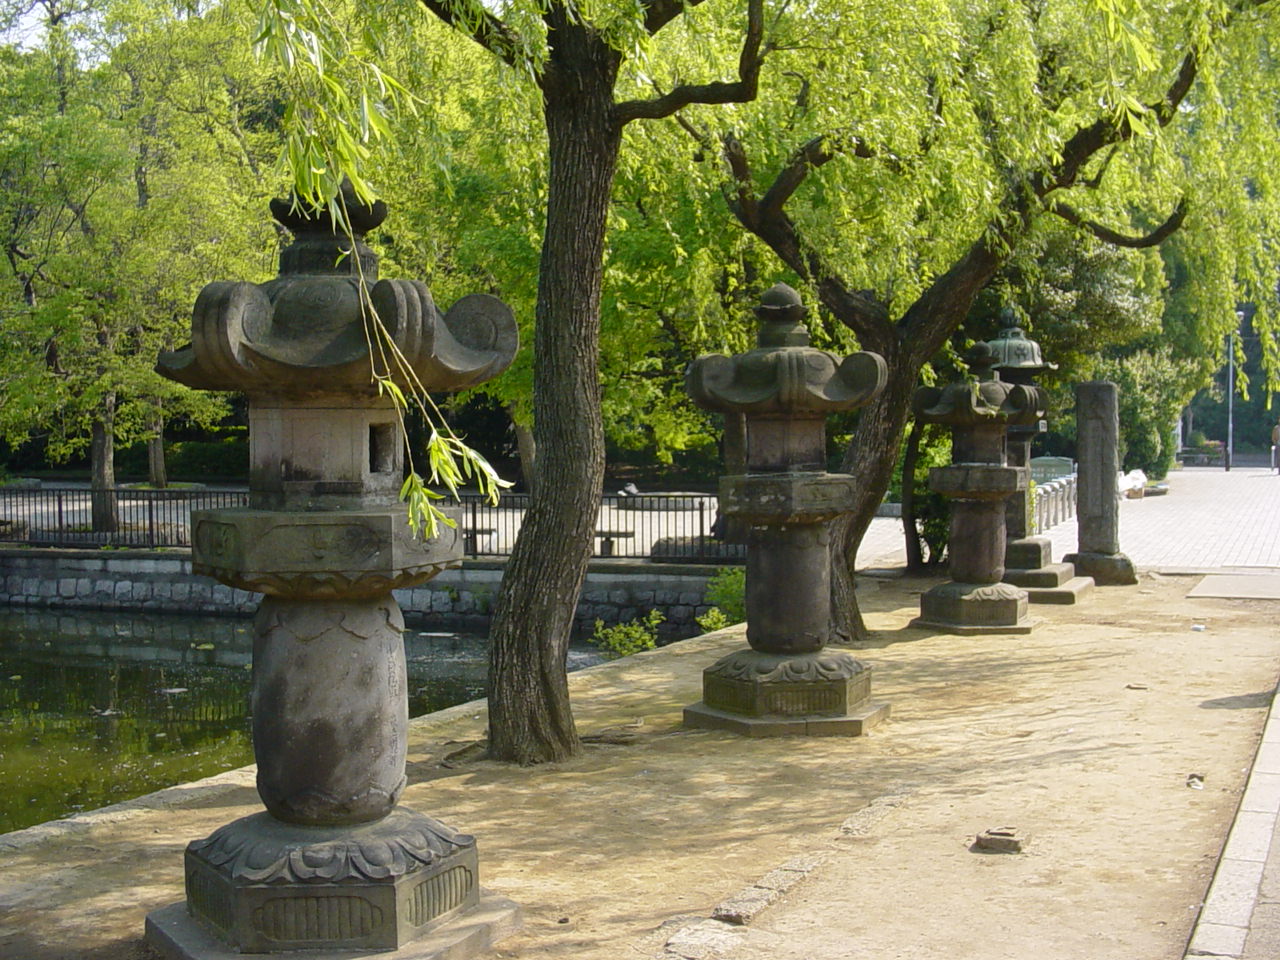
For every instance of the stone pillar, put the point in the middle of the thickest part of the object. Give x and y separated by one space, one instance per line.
978 483
333 864
786 683
1097 504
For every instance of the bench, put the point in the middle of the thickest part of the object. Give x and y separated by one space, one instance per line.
607 537
1192 458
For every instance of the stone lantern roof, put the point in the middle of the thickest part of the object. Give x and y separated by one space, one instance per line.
979 401
784 376
1015 351
309 333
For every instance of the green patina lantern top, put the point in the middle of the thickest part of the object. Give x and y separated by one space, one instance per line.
1014 350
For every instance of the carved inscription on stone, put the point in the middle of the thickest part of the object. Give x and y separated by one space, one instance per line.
294 919
438 895
216 543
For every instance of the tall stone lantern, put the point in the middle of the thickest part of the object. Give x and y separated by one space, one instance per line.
786 683
978 482
1029 559
1018 360
333 863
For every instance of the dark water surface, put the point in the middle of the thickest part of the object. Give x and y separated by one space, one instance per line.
96 708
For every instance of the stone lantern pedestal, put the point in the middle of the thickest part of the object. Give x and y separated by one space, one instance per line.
1028 558
978 484
787 683
334 866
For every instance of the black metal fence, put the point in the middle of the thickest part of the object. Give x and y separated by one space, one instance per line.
123 517
667 527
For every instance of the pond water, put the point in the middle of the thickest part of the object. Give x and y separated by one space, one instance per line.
96 708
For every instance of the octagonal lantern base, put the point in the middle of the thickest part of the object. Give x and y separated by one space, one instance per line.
259 885
760 694
974 608
175 935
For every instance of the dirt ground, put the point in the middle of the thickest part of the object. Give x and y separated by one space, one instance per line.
1082 735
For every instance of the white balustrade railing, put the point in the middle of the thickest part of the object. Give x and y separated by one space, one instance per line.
1055 502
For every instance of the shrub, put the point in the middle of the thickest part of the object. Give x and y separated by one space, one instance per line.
727 594
624 639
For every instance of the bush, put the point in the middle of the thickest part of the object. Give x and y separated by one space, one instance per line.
713 619
201 459
727 594
624 639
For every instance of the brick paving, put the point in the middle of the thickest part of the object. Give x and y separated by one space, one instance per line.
1211 519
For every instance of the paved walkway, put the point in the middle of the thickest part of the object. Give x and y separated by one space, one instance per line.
1211 521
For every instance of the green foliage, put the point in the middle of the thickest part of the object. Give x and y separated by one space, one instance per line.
624 639
227 458
714 619
727 594
129 178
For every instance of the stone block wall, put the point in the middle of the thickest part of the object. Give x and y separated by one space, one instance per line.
460 599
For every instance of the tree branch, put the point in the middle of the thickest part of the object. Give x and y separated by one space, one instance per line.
742 90
859 311
815 153
1106 234
483 27
658 13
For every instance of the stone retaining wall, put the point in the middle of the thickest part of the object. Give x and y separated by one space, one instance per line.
162 581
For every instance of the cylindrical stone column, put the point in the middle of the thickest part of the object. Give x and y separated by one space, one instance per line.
330 714
795 563
979 526
1097 504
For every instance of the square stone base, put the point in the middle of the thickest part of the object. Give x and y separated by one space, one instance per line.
855 724
969 609
968 630
173 934
1106 569
1028 553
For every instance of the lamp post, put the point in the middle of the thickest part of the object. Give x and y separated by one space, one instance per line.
1231 391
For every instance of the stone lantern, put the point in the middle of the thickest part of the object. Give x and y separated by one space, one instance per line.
1018 360
334 863
1029 559
787 683
978 482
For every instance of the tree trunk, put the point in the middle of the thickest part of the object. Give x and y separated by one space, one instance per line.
156 471
733 529
872 453
530 720
527 449
910 532
102 469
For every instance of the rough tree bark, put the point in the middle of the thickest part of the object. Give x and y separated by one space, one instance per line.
529 715
105 514
157 472
530 719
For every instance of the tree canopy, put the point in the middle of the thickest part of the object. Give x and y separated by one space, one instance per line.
630 174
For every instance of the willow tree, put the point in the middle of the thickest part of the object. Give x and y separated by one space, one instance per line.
896 160
591 68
